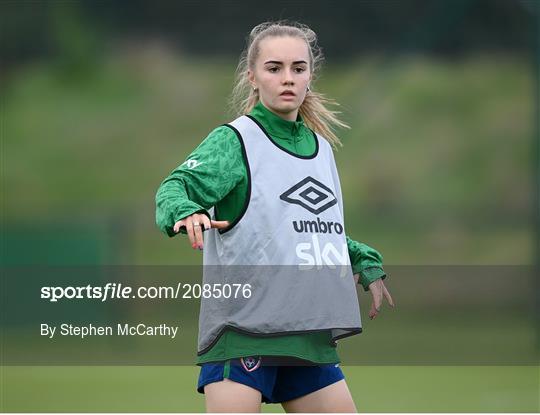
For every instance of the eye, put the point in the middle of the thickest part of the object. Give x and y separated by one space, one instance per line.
273 69
299 69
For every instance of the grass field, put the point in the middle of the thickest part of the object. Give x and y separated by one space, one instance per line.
172 389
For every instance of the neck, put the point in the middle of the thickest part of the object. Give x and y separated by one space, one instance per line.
289 116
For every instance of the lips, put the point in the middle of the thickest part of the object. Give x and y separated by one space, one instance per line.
288 93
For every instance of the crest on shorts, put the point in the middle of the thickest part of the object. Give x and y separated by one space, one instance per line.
251 363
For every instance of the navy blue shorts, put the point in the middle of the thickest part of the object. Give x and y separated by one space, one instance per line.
276 383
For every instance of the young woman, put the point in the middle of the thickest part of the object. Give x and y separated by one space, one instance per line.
266 191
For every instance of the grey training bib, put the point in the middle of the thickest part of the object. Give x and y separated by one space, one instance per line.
285 260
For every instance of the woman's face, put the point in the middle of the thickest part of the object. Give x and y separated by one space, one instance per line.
282 65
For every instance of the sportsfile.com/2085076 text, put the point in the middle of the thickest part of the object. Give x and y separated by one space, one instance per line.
119 291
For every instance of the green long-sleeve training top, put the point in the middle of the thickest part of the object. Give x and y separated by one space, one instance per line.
214 174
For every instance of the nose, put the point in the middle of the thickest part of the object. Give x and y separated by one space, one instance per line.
287 77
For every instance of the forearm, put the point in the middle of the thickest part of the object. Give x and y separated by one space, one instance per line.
209 173
173 204
366 261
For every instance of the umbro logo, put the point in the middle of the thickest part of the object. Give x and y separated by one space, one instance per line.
311 194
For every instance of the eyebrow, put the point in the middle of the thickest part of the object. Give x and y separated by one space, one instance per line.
281 63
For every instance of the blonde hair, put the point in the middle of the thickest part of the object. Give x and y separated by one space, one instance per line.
314 110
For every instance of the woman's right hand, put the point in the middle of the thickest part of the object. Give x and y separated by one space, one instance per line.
194 227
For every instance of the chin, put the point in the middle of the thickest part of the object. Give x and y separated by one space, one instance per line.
286 107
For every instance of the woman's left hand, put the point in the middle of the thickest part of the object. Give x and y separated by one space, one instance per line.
378 291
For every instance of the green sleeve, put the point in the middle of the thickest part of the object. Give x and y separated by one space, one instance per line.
365 261
207 175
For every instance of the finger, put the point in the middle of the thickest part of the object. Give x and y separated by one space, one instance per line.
178 225
373 312
198 233
375 304
388 296
206 222
220 224
189 229
376 291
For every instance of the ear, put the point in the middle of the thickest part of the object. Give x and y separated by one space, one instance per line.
251 78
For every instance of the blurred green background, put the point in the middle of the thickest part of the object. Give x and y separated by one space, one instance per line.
100 101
